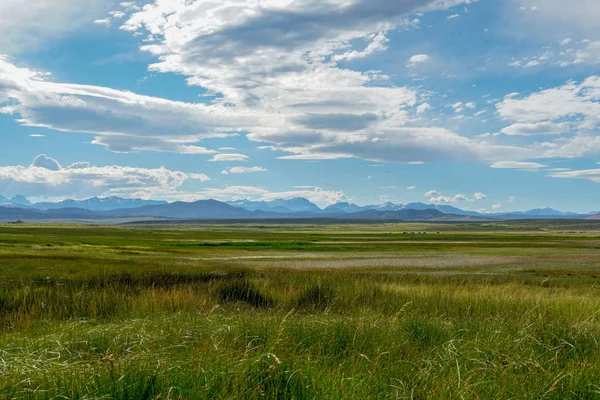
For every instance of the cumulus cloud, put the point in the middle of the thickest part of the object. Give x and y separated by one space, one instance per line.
496 206
585 52
43 161
573 107
417 59
280 63
276 70
423 108
411 188
571 100
117 14
377 44
315 194
578 146
128 122
81 179
435 197
448 199
243 170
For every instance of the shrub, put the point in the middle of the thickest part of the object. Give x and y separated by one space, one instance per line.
244 291
317 297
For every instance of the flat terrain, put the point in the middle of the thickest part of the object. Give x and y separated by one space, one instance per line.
408 311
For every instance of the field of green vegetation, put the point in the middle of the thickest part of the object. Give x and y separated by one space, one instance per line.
388 311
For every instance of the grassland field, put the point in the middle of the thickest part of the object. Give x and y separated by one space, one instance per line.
300 311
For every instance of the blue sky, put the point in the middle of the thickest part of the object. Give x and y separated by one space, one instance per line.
484 105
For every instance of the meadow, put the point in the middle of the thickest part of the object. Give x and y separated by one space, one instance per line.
303 311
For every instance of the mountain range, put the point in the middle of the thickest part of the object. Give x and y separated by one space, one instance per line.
20 208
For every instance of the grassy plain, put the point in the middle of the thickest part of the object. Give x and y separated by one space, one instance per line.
407 311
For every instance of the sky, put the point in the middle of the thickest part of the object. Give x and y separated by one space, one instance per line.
484 105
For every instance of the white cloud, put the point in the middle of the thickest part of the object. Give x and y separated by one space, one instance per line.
574 147
411 188
117 14
229 157
550 105
566 41
589 174
46 175
458 107
377 44
105 22
315 194
554 17
418 59
129 122
496 206
243 170
43 161
436 198
80 165
539 128
531 64
126 121
422 108
574 105
274 67
586 52
447 199
278 61
523 165
130 5
29 25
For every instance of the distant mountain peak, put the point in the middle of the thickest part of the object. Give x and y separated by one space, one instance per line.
98 204
20 200
292 205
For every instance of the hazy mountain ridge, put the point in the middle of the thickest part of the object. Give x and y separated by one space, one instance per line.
403 215
98 204
19 207
297 204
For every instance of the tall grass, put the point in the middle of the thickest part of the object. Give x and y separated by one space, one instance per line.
175 331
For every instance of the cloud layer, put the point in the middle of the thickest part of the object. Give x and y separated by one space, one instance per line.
84 180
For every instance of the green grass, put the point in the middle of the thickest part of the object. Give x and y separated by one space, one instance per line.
478 311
